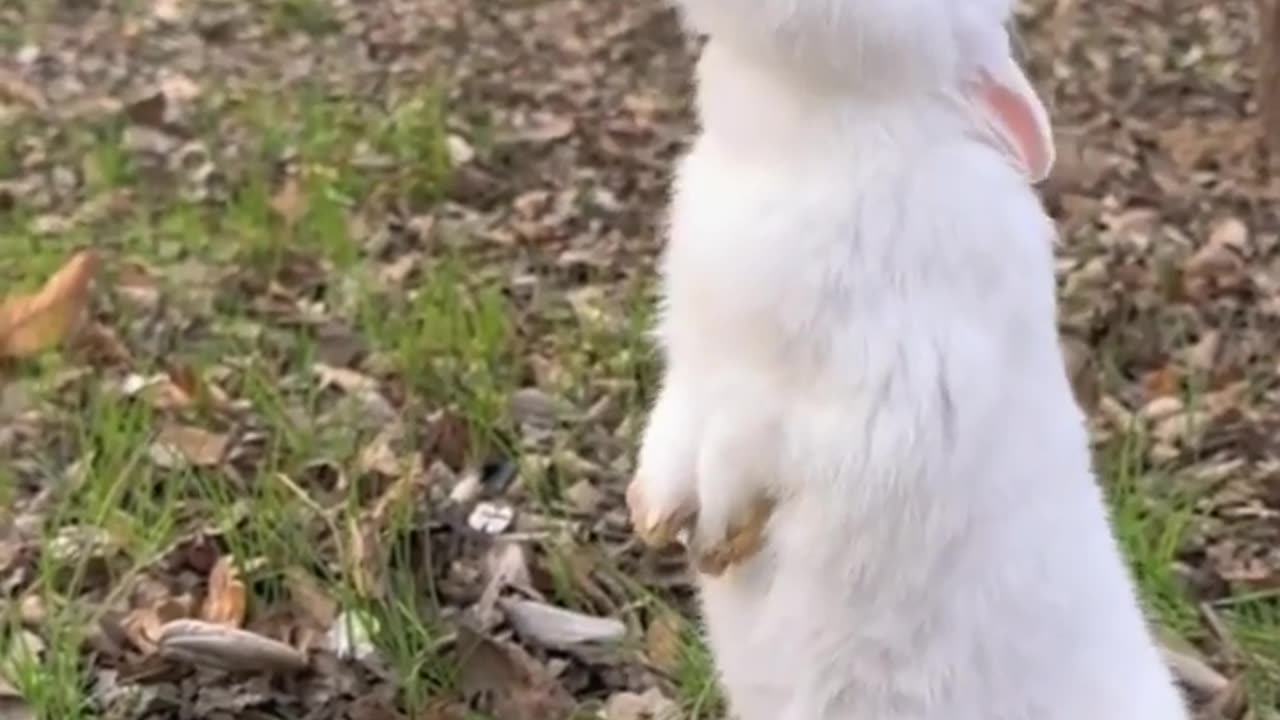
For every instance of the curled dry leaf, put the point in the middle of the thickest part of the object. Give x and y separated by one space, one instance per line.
31 324
225 604
557 628
227 648
142 625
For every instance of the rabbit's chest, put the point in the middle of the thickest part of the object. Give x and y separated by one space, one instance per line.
764 260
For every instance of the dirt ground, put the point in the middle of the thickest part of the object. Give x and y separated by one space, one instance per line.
365 287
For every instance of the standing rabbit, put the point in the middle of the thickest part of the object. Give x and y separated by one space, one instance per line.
865 423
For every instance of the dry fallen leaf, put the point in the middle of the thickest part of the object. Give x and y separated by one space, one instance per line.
516 685
179 444
225 603
310 598
652 705
31 324
14 88
664 642
12 705
159 391
344 379
379 456
213 645
289 202
142 625
558 628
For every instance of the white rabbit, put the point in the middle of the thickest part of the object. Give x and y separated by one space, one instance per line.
865 420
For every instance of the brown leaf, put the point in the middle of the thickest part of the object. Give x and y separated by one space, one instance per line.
379 457
142 625
14 88
160 392
345 379
185 443
517 687
220 646
31 324
310 598
652 705
1163 382
226 601
289 201
664 642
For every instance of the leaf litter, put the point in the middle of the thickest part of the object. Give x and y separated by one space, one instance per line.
447 502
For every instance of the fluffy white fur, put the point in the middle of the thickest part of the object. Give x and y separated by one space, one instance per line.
859 318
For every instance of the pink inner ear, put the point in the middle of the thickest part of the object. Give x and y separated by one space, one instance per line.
1018 124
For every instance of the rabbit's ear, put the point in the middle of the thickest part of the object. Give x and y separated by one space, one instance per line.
1016 116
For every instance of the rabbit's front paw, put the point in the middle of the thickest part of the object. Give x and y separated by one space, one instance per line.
663 496
659 513
721 545
738 489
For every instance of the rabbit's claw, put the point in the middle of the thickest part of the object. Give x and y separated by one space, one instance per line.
657 524
743 537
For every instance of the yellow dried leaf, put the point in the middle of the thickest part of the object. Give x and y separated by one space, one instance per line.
226 601
31 324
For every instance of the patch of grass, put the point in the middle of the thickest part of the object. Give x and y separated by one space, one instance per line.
313 17
1151 528
695 677
1255 625
454 340
48 669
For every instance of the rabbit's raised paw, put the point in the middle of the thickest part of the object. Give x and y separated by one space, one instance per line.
656 523
744 536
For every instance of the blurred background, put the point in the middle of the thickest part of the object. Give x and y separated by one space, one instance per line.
322 351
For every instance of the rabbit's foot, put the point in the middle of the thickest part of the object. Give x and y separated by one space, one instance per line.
658 514
743 536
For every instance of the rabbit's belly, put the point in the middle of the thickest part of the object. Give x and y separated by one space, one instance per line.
834 621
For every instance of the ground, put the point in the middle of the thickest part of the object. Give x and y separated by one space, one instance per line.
344 428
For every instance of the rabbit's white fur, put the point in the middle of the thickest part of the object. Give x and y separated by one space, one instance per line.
888 43
859 319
